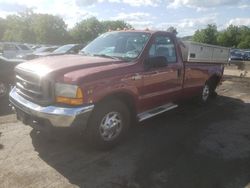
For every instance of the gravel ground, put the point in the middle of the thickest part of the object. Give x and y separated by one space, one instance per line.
192 146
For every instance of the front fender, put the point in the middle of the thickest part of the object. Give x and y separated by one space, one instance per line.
101 91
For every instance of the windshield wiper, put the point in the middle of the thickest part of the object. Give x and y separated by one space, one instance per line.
102 55
107 56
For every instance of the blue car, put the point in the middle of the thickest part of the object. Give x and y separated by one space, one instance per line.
237 55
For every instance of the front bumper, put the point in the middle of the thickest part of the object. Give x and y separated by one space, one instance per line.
57 116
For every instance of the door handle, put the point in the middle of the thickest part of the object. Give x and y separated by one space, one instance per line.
137 77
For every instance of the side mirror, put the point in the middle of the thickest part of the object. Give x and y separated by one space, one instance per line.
155 62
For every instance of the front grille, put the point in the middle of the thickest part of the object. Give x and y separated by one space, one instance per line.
34 88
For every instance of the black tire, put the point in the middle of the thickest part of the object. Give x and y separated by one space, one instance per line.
108 124
213 85
210 85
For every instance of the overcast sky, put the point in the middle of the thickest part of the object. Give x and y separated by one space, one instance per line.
186 15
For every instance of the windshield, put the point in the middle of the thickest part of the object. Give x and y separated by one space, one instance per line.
123 45
42 49
64 48
23 47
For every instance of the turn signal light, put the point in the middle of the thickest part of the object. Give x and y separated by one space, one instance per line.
78 100
70 101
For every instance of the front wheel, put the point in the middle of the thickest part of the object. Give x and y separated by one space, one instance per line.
108 124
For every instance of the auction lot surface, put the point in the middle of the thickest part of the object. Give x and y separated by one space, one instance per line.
192 146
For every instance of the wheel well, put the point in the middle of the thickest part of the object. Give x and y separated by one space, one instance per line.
127 99
214 81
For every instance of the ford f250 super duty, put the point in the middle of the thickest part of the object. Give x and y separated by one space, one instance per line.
119 76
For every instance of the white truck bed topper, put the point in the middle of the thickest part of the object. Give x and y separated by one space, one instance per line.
204 53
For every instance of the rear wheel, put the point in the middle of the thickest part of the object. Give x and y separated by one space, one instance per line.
108 124
208 92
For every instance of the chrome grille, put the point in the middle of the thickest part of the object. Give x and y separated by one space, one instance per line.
34 88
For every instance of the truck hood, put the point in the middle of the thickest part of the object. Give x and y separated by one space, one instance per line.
66 63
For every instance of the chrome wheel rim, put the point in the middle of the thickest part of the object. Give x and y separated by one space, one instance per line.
205 93
111 126
3 89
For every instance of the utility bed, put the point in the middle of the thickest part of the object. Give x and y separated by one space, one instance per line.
204 53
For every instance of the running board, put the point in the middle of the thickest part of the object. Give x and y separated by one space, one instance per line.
155 111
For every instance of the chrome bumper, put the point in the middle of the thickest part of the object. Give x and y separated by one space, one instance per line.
57 116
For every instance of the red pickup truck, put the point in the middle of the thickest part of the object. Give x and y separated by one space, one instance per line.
119 76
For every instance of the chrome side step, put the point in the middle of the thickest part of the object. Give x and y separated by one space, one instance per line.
155 111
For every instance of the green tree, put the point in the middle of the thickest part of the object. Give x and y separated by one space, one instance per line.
244 37
86 30
35 28
245 44
114 25
18 29
3 27
49 29
207 35
229 37
30 27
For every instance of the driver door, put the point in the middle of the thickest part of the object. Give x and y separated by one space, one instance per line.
162 84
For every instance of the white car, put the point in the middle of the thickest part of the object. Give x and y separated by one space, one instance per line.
12 50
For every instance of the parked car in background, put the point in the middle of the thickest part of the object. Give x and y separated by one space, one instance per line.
40 52
11 50
247 55
36 46
237 55
67 49
7 75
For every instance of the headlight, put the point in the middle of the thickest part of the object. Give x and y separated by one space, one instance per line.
66 90
68 94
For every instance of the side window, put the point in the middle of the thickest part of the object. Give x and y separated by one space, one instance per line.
163 46
77 48
74 49
23 47
10 47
